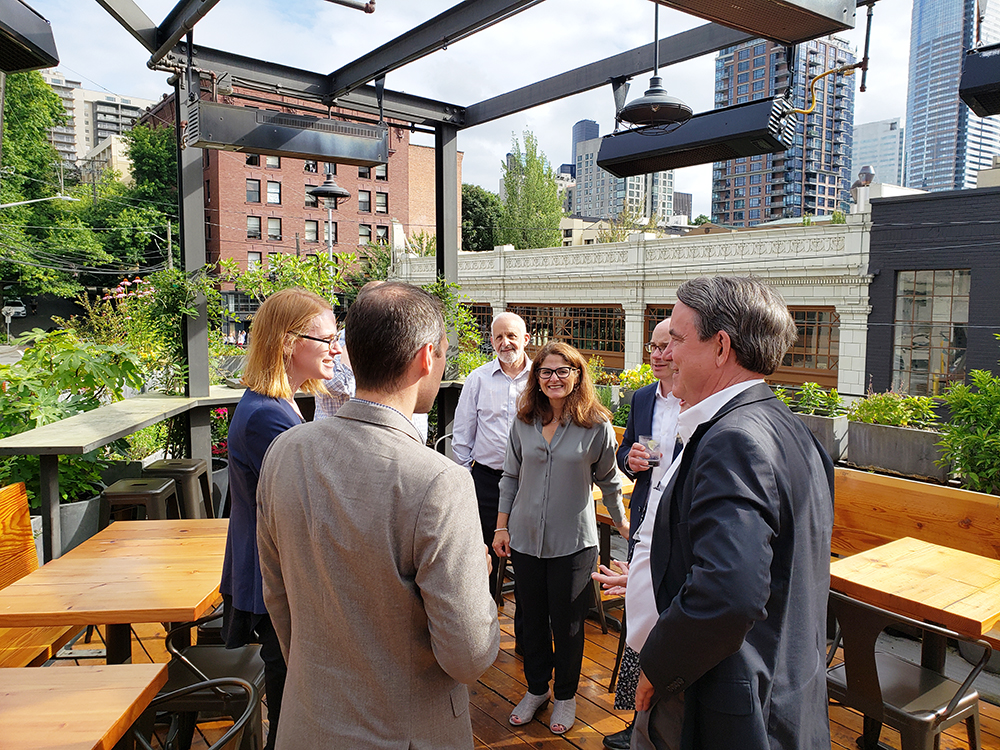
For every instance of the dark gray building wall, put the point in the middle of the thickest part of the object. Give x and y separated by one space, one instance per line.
942 230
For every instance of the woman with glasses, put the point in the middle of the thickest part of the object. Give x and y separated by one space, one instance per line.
561 442
292 346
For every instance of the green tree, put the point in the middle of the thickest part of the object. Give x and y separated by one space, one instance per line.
153 154
621 226
531 208
700 219
482 213
42 245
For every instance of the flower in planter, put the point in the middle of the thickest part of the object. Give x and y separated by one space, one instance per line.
219 421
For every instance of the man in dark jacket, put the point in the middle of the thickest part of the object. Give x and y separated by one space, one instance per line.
727 590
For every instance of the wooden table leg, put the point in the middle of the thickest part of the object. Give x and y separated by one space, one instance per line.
118 642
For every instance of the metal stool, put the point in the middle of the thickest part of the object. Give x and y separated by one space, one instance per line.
188 473
149 494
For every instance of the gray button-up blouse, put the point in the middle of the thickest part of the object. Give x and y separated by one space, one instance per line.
546 487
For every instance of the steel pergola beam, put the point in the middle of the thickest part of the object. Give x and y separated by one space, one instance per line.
267 76
179 22
448 27
133 19
680 47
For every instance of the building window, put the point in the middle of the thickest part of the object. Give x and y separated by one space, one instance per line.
253 227
364 201
274 228
253 191
382 235
272 162
816 352
310 166
253 160
931 330
274 192
364 173
311 200
208 192
381 203
330 168
382 172
364 234
208 230
253 260
655 314
326 232
312 230
598 330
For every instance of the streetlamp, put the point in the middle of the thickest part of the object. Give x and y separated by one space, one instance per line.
331 193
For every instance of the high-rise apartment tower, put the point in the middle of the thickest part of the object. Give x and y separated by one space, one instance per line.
879 145
946 143
814 175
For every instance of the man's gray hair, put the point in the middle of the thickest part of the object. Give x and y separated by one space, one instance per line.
754 315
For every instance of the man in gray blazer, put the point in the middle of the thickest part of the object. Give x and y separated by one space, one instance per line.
374 569
727 591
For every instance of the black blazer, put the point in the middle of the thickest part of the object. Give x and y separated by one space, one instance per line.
640 422
740 561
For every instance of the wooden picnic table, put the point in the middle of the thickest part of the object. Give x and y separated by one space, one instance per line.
132 571
74 708
604 520
925 581
83 433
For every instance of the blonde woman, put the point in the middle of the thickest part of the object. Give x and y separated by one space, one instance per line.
561 441
292 346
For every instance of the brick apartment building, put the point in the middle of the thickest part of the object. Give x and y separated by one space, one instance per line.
258 205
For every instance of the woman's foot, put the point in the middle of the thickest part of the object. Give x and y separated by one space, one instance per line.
563 715
525 710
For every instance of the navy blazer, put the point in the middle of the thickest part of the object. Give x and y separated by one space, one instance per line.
740 561
640 422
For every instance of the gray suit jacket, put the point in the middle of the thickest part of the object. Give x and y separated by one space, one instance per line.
375 579
740 561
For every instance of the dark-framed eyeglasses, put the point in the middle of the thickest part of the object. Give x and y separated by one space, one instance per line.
330 342
655 348
544 373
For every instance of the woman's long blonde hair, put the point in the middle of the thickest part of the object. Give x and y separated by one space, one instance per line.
276 325
580 407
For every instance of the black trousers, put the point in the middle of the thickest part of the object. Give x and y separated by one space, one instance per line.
555 595
487 483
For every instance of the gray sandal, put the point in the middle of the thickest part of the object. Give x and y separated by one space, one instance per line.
525 710
563 715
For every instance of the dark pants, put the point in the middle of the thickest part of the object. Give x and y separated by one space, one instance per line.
487 483
555 595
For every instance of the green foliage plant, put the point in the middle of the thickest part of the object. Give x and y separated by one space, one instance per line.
600 376
637 377
481 216
620 417
814 399
60 376
970 440
317 274
784 395
532 208
838 217
895 410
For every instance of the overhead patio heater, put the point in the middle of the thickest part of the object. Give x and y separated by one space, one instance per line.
263 131
26 41
785 21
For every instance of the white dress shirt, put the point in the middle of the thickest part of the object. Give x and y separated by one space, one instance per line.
640 596
485 412
666 410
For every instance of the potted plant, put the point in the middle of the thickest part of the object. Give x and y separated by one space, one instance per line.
824 413
896 433
606 383
57 377
220 454
634 379
970 441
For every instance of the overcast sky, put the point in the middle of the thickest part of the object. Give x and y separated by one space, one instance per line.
550 38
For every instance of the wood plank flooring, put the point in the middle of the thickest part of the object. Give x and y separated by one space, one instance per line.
499 690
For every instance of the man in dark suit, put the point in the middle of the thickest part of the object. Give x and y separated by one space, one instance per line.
727 591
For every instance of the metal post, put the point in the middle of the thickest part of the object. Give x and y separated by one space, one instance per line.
446 200
49 493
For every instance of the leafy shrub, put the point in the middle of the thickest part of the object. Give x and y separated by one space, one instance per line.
620 417
813 399
971 440
600 376
637 377
895 410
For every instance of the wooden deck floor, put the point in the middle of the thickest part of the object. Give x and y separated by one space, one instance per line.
499 690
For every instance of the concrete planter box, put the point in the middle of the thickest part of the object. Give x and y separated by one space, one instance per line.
831 433
896 450
77 523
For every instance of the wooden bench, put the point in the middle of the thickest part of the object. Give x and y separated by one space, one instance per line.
873 509
23 647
